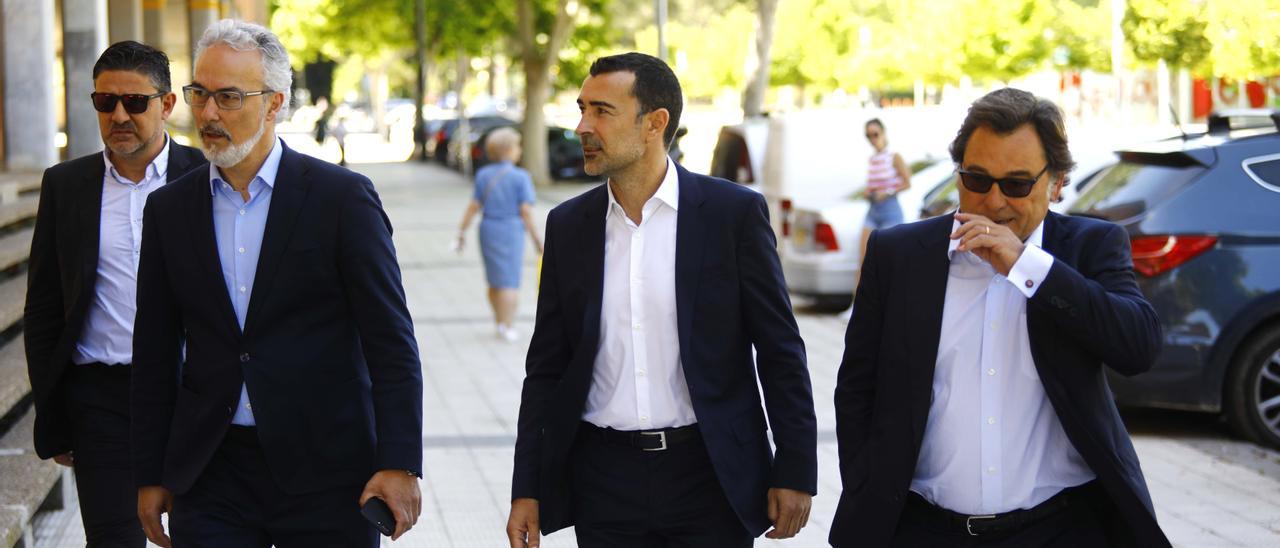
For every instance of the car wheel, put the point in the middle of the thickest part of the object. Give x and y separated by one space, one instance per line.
1254 389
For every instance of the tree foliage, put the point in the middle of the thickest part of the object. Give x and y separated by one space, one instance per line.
1168 30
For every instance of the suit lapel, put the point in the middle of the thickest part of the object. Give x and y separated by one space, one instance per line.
200 215
591 249
180 160
689 253
90 220
287 197
927 292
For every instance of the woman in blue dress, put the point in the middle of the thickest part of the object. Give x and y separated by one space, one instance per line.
504 196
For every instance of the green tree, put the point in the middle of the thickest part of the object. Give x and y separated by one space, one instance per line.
1245 38
1168 30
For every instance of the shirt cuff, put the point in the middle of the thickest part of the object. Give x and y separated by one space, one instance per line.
1030 270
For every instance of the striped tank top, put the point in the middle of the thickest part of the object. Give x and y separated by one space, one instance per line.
881 175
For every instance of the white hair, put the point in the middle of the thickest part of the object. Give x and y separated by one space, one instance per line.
501 143
277 74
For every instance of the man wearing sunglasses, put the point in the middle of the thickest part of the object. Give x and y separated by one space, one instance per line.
971 403
299 394
78 321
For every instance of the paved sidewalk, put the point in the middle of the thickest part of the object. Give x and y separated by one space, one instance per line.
1209 489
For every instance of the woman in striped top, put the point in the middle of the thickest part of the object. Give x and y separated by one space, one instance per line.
887 175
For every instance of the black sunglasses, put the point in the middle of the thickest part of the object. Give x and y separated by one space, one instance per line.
1013 187
134 103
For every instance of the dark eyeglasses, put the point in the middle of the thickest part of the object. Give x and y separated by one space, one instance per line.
134 103
226 99
1013 187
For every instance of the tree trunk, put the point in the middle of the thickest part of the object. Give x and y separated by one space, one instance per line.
753 97
463 133
537 82
537 90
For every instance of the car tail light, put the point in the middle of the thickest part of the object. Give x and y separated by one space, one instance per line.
786 217
824 236
1155 255
475 152
440 136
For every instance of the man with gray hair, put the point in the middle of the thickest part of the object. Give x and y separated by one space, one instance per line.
276 381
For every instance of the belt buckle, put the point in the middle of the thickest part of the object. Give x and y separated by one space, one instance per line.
968 523
662 439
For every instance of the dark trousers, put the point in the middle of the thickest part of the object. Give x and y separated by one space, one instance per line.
97 399
627 497
1078 525
236 504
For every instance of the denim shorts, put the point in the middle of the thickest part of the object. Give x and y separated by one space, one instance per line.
884 214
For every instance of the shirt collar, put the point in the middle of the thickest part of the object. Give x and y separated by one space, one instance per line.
270 167
668 190
1036 238
155 170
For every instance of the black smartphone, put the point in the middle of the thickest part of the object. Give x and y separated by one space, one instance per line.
379 514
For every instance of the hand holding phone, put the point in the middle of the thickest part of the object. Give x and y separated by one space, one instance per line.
379 514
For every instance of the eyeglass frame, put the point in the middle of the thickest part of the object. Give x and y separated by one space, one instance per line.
1016 182
118 99
188 89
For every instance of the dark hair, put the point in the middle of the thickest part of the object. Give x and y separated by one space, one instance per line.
136 57
875 121
655 87
1004 111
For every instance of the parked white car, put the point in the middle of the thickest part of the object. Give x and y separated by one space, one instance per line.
820 243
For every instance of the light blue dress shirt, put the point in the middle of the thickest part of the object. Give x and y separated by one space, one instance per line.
108 328
238 226
993 442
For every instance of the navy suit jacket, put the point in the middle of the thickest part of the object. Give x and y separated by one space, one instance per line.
327 351
1087 314
61 280
730 296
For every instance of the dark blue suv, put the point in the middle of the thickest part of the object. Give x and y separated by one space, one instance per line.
1203 215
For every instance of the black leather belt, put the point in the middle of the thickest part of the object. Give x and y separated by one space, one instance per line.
645 440
995 524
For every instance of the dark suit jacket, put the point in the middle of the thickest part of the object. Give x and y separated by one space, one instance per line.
327 351
730 295
60 280
1088 312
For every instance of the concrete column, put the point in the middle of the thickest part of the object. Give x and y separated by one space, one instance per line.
124 20
84 36
153 23
29 124
201 15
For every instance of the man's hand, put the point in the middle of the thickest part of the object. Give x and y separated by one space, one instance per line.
154 500
789 512
990 241
399 490
522 526
64 459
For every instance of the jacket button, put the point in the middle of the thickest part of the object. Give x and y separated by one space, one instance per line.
244 357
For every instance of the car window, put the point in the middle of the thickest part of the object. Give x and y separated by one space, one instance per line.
1265 171
1130 188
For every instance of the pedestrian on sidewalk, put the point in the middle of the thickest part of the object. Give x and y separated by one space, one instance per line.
504 196
972 406
276 380
641 423
82 286
887 176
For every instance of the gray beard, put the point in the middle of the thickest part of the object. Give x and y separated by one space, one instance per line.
236 152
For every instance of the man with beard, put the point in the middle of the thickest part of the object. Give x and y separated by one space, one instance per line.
640 422
78 321
298 395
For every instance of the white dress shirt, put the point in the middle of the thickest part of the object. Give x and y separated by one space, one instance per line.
108 329
638 382
993 442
